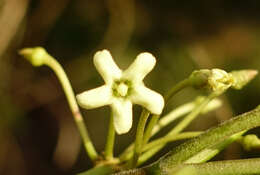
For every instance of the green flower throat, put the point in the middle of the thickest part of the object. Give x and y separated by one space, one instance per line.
122 88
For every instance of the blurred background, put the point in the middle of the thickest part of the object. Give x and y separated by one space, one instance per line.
37 132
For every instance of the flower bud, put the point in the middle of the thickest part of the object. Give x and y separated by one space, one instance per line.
35 55
199 78
250 142
220 80
215 80
242 77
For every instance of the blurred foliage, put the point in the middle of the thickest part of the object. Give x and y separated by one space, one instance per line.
37 132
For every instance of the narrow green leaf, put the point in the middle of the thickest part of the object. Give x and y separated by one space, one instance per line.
208 139
228 167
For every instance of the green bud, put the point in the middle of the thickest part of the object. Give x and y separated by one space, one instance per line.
250 142
199 78
242 77
215 80
37 56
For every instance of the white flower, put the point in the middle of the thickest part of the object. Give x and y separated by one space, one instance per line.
122 89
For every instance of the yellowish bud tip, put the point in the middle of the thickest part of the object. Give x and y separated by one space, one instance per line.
252 74
242 77
35 55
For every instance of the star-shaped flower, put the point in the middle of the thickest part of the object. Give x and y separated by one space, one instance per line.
122 89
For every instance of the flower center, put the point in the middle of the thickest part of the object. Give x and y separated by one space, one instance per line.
121 88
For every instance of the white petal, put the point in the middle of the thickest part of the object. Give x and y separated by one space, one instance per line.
94 98
106 66
142 65
147 98
122 111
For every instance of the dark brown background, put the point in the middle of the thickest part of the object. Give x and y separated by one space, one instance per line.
37 133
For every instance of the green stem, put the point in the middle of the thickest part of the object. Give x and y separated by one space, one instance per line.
73 106
166 139
173 115
175 89
38 56
148 132
110 139
184 123
150 127
184 109
139 137
148 154
127 153
170 138
170 117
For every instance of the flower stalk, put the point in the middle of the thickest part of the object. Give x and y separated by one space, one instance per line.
166 139
178 128
185 109
154 119
139 138
186 121
110 139
38 57
170 117
175 89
